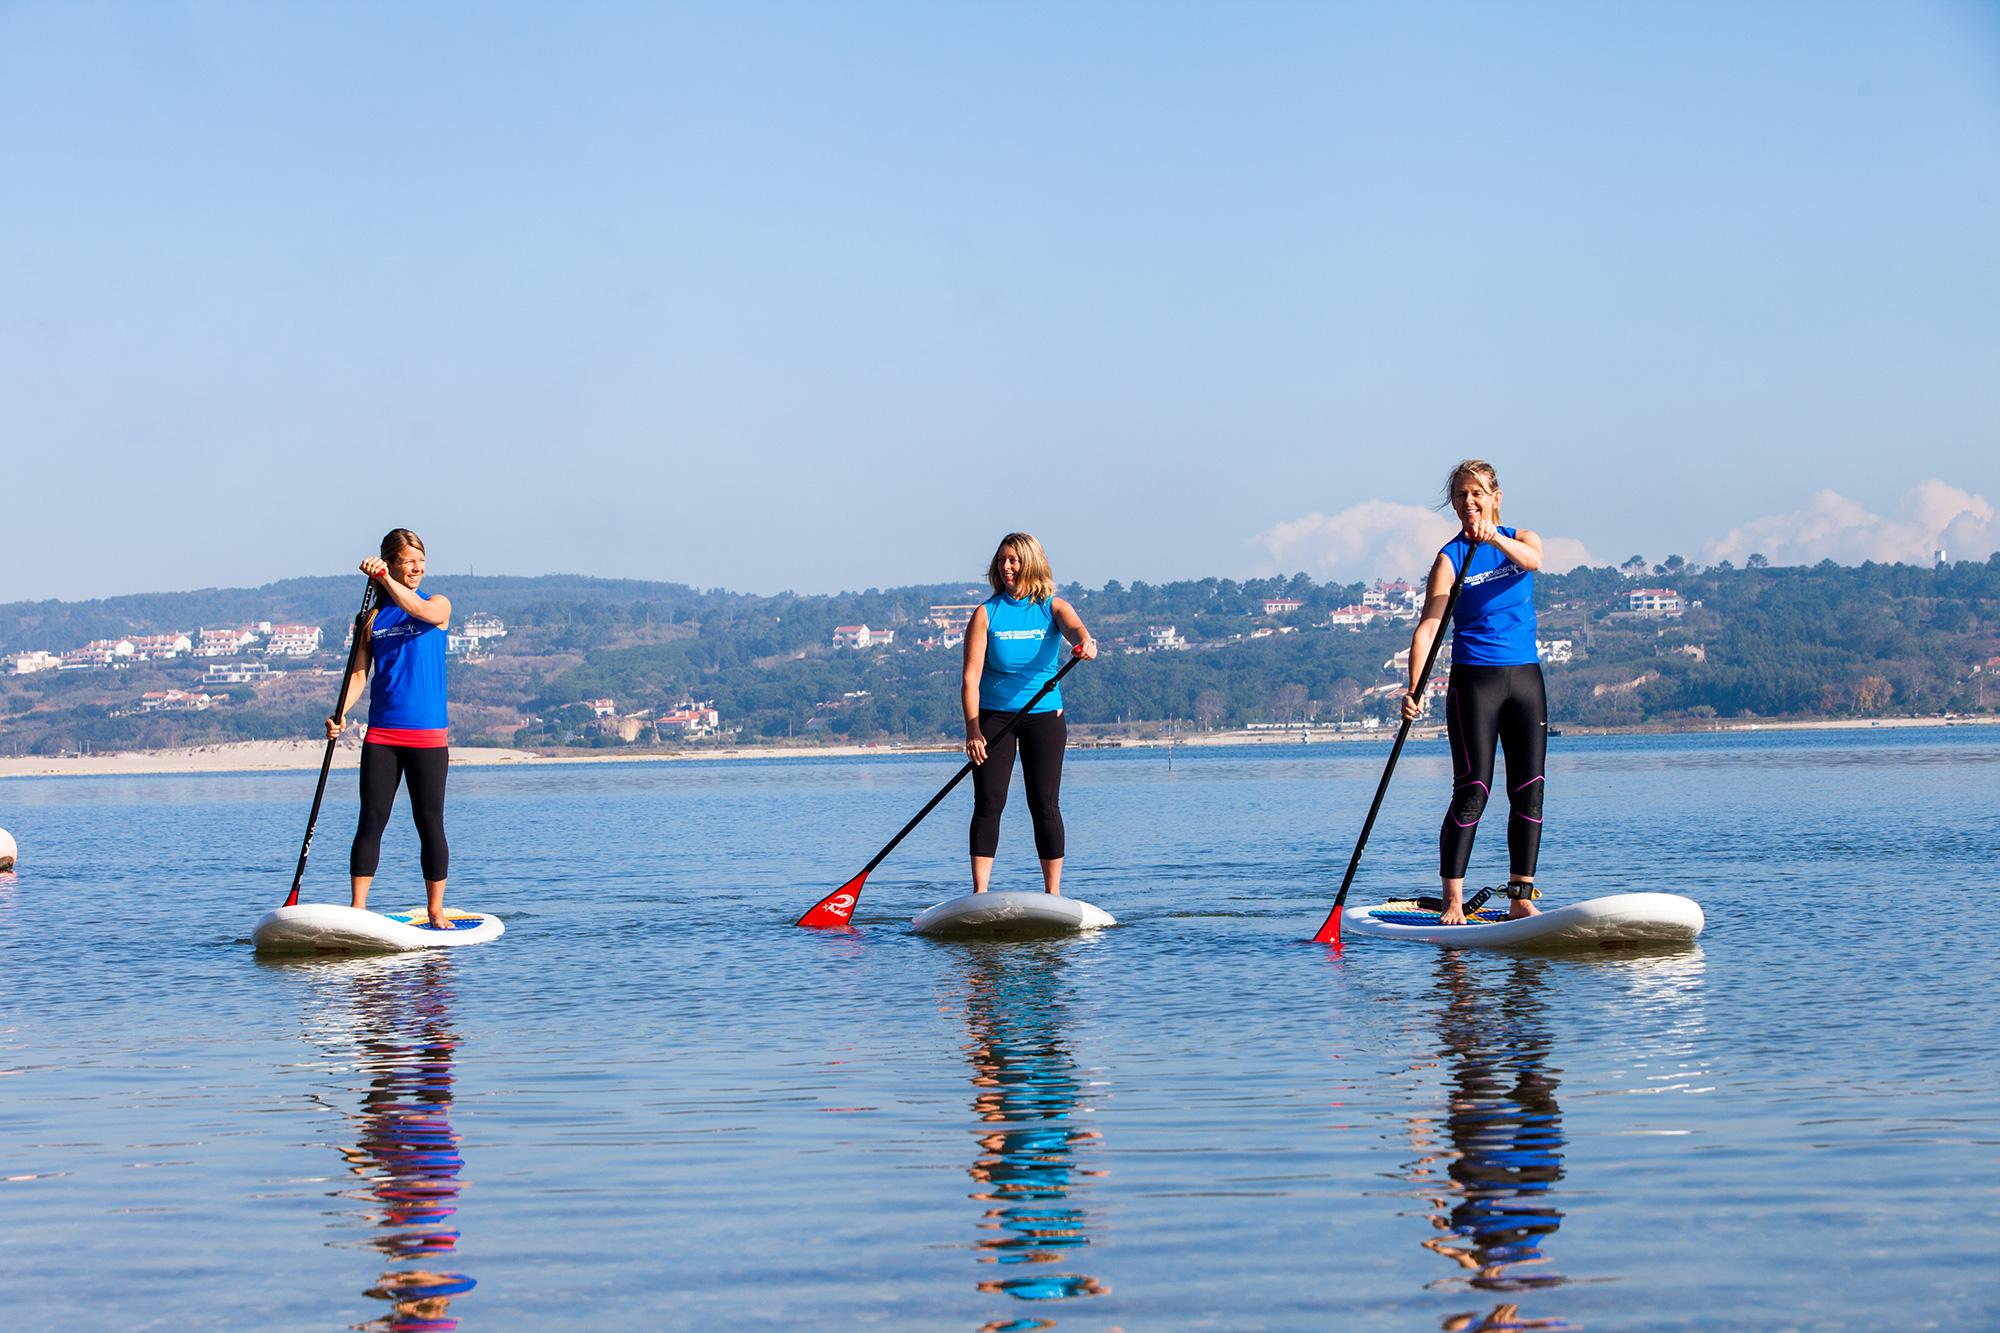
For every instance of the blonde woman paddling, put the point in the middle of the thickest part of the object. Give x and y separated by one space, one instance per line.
1012 648
1496 689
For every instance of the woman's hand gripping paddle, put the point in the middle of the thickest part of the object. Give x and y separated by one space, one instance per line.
326 762
836 910
1329 931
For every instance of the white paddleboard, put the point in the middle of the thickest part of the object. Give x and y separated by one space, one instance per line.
325 928
1621 919
1009 916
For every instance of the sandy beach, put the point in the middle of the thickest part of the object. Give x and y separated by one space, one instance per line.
278 756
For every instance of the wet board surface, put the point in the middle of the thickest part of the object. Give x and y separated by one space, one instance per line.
1620 919
326 928
1009 916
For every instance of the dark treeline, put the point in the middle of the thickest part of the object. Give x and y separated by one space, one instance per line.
1823 641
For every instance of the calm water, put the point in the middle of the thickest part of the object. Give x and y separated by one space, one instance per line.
654 1102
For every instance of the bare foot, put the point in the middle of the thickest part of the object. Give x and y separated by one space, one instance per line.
439 921
1454 910
1522 907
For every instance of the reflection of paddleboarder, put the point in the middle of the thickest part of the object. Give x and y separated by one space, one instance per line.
1505 1138
1027 1089
406 1152
1496 689
404 641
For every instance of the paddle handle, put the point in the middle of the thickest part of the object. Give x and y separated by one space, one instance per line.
326 760
1331 929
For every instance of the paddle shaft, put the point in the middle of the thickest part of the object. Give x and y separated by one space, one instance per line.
1402 734
932 804
326 760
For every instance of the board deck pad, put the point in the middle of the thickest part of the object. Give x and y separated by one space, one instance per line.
420 917
1405 912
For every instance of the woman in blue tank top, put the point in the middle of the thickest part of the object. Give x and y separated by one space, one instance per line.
407 741
1495 691
1013 644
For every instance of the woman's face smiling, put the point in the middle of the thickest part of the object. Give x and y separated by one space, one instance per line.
1470 499
1010 568
408 567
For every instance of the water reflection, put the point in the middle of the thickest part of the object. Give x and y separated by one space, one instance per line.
1031 1151
1495 1158
391 1025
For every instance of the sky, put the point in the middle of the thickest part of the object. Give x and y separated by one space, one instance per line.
815 296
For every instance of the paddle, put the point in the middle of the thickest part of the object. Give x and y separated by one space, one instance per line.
326 761
1329 932
834 912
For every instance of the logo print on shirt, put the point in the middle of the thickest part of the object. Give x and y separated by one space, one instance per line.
1506 571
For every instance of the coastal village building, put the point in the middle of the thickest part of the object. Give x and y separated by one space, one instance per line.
860 636
1351 617
1553 650
952 617
1399 599
173 701
601 707
239 673
26 664
100 653
224 642
690 720
293 641
1281 606
483 625
162 647
1655 601
1164 637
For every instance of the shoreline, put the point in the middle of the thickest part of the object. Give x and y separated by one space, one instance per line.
295 755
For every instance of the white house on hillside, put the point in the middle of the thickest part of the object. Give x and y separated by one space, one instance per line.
293 641
860 636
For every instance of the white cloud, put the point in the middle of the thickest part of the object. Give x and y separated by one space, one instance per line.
1932 515
1381 539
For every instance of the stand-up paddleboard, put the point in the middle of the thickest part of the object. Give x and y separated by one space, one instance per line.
1621 919
1009 916
325 928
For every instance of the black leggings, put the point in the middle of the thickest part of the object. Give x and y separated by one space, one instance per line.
423 769
1041 737
1486 703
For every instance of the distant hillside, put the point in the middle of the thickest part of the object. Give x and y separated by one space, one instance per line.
1826 641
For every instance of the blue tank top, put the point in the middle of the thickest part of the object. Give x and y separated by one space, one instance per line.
1494 622
1023 644
408 689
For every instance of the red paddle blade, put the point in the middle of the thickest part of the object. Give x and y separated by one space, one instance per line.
1329 932
836 910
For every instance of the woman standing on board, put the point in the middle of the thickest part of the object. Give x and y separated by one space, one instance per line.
1010 652
1496 684
406 716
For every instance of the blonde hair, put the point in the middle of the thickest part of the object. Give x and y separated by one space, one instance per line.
1035 582
1478 468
